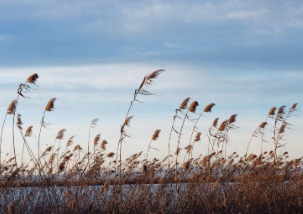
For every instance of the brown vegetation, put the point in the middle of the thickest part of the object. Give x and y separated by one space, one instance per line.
76 182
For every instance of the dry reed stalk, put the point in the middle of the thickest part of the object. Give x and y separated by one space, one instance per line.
49 107
154 137
147 80
169 139
12 108
93 123
231 120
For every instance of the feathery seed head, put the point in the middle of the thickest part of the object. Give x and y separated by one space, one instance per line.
50 105
282 128
262 125
60 134
19 122
77 147
103 144
111 154
193 106
32 78
294 105
51 158
48 149
232 118
184 103
127 121
29 131
197 138
215 123
209 107
70 141
223 125
281 110
96 140
151 76
272 111
156 134
12 107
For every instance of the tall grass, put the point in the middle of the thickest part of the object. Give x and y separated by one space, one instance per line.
74 181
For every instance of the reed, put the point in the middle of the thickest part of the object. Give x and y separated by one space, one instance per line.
77 182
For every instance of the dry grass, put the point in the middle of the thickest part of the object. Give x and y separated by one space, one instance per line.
76 182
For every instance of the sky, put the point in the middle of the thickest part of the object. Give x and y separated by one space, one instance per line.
244 56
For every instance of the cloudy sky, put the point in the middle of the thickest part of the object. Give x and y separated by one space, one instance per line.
245 56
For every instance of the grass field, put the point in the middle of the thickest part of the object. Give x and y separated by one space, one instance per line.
72 179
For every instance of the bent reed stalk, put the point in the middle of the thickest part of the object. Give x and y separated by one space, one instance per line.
82 183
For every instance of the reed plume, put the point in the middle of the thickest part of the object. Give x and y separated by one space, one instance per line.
232 118
32 78
103 144
197 137
111 154
184 103
294 106
154 137
127 121
215 123
12 107
209 107
29 131
272 111
156 134
263 124
282 128
193 106
223 125
70 141
50 105
149 79
96 140
19 122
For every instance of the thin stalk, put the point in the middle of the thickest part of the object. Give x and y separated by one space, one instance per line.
179 138
1 143
172 128
14 140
